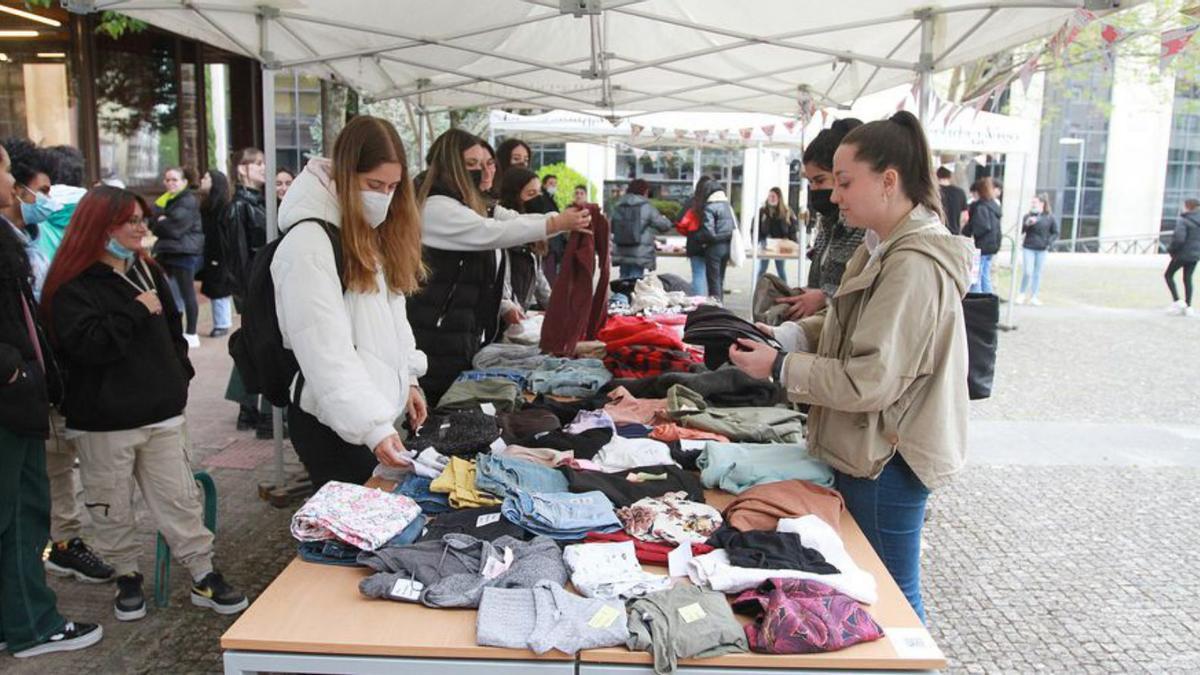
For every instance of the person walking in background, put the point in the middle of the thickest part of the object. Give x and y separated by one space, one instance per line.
1040 230
30 624
179 249
954 200
635 223
1185 253
776 220
126 390
708 245
216 282
983 225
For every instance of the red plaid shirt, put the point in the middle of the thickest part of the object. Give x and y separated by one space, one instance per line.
644 361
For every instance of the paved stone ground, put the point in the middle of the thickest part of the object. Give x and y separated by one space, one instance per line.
1067 546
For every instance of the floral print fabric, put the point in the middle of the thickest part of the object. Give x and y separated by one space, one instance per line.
671 518
360 516
801 616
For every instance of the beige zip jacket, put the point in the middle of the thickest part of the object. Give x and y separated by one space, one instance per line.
890 371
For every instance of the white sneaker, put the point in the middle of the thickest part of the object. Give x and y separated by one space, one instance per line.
1175 308
1188 311
1020 299
1035 302
193 340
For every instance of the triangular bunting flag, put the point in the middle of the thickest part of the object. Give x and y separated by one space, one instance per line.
1173 42
680 134
1028 70
1070 30
769 130
1110 35
723 134
746 133
653 155
635 130
639 153
790 125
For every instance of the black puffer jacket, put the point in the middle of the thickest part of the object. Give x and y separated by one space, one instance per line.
1041 231
1185 245
25 403
243 233
782 226
178 226
716 228
126 367
983 225
635 222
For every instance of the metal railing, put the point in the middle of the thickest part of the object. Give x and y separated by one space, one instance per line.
1137 244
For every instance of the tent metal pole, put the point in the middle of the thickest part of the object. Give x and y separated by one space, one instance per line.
421 139
268 111
754 224
925 68
802 228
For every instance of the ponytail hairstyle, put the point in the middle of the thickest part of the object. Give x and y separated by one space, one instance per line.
899 143
1045 203
101 211
820 150
363 145
447 172
514 181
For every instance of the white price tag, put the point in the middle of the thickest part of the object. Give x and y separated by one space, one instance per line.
407 589
487 519
488 409
913 643
691 444
498 445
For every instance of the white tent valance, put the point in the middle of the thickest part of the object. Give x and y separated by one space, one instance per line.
609 55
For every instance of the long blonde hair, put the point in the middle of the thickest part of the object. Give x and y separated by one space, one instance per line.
447 171
365 143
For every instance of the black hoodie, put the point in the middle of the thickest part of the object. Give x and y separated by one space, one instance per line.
24 403
125 367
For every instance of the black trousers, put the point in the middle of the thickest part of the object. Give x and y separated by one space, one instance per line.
326 456
1189 268
181 271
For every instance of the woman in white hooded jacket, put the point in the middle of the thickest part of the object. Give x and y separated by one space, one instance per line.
359 362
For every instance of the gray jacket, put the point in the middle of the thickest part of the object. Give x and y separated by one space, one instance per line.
1185 245
635 221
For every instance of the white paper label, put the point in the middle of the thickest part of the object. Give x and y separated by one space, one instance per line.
691 444
677 560
494 567
487 519
497 445
407 589
488 409
913 643
692 613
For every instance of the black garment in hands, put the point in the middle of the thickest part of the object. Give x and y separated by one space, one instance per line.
125 367
715 329
760 549
727 387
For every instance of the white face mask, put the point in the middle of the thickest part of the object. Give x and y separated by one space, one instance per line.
375 206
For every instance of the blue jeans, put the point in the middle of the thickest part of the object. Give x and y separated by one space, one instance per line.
780 268
632 271
984 285
890 510
503 476
699 276
222 309
581 378
417 489
1031 278
334 552
563 515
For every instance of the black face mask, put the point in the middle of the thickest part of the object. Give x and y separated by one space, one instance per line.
476 177
819 201
529 203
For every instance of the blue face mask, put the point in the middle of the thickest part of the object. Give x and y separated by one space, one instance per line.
40 209
117 250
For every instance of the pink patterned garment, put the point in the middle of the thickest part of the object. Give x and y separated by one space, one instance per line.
802 616
671 518
357 515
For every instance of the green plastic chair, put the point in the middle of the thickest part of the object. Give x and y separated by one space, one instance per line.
162 560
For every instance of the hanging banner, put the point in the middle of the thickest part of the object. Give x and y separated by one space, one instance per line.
1028 70
1173 42
1110 35
746 133
769 130
1070 30
635 130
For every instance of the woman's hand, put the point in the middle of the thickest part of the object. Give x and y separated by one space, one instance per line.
418 410
571 220
151 301
514 316
754 358
809 302
388 452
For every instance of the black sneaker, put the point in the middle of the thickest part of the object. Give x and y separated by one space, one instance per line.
72 636
247 418
74 559
212 592
130 604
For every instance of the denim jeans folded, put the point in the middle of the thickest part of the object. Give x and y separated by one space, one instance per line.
561 516
334 552
502 476
416 488
569 377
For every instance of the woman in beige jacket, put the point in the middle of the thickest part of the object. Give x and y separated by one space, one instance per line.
885 365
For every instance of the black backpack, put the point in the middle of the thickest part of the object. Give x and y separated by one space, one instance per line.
264 364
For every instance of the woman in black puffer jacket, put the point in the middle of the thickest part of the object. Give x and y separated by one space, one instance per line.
180 246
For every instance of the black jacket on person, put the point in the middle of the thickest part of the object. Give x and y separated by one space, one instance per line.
1041 231
954 201
781 226
635 222
1185 245
243 231
216 279
25 403
983 224
178 226
716 226
125 367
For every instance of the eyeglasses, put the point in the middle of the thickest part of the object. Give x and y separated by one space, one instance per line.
137 221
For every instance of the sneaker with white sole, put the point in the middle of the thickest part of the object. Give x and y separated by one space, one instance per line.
1020 299
216 594
73 558
1176 308
129 603
1188 311
1035 301
70 637
193 340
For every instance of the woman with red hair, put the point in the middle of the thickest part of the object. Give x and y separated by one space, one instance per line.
127 382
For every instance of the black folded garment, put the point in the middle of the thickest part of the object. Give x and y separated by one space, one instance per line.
567 410
761 549
715 329
524 423
727 387
624 492
484 523
462 433
685 458
585 444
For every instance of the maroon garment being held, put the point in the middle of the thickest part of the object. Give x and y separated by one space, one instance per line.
578 309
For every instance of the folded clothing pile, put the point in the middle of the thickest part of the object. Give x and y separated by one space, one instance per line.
628 331
501 393
459 481
504 355
519 377
802 616
547 617
647 552
671 518
761 507
335 552
683 622
770 550
737 467
453 571
360 516
484 522
610 571
504 475
565 516
747 425
626 453
417 489
624 407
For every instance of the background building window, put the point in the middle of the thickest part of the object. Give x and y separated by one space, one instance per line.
297 111
1183 158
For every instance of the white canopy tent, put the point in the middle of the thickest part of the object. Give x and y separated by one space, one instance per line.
605 56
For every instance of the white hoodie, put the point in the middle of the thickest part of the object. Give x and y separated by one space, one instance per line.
356 350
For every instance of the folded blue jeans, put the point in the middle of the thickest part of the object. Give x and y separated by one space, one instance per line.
561 516
417 489
502 476
569 377
520 377
335 552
